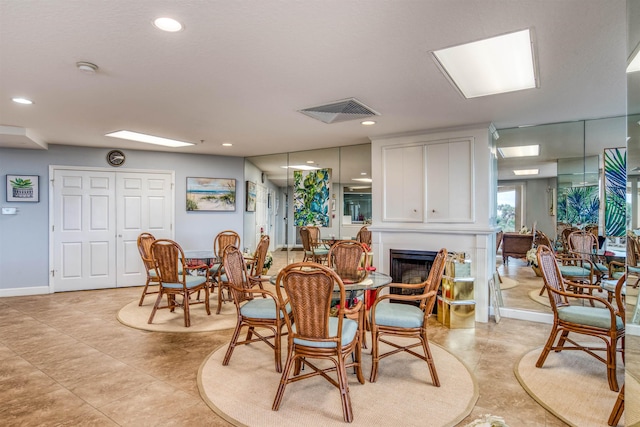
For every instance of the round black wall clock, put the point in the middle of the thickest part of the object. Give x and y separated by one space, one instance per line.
115 158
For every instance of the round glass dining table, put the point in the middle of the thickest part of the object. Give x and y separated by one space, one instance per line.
373 280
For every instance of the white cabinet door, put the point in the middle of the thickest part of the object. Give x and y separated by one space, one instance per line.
84 230
403 183
144 204
450 194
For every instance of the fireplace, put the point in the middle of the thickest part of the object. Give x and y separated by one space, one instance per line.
410 266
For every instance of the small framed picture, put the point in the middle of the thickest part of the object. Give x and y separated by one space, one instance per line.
23 188
251 196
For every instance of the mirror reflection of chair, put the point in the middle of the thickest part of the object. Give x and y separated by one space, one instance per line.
314 334
406 320
220 242
259 257
312 252
364 236
265 312
170 264
144 247
606 323
631 267
583 245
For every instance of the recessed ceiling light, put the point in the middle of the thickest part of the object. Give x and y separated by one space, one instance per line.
519 151
487 67
301 167
87 67
362 179
310 162
526 171
168 24
368 123
227 144
149 139
21 100
363 173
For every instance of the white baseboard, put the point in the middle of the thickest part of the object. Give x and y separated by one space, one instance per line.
20 292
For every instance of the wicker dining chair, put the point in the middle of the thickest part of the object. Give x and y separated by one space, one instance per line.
174 279
606 323
312 252
631 265
259 258
216 272
406 320
144 247
364 236
314 333
252 313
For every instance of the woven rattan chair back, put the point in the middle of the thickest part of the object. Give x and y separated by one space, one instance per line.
144 247
310 289
632 251
565 237
346 259
543 239
499 236
236 271
168 257
551 276
224 239
260 256
364 236
582 244
433 282
305 238
314 235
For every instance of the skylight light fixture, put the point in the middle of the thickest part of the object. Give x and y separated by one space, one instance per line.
168 24
301 167
362 179
495 65
520 151
149 139
526 171
21 100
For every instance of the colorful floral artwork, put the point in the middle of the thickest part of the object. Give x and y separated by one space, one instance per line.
615 189
578 205
311 197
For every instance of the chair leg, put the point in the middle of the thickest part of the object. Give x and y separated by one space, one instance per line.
206 300
347 411
611 364
144 292
283 382
618 408
429 357
232 344
278 346
220 297
155 307
185 308
374 354
547 347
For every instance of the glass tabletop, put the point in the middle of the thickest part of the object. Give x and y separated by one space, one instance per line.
373 280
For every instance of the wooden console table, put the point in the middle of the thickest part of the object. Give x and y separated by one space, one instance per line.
515 245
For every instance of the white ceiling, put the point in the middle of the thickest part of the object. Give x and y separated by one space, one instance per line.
241 69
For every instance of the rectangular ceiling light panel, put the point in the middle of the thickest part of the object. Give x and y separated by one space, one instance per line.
526 171
520 151
487 67
149 139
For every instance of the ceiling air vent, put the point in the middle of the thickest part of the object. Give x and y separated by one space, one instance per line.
340 111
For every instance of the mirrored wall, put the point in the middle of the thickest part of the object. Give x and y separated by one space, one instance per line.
561 186
328 187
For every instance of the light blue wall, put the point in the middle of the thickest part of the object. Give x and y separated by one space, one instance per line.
24 238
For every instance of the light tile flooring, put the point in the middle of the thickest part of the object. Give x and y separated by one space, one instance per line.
65 360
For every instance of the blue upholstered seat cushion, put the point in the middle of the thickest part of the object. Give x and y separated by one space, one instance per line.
190 281
601 267
321 251
349 331
399 315
214 268
591 316
261 308
617 274
634 269
574 271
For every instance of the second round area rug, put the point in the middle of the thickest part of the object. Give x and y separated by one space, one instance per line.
243 391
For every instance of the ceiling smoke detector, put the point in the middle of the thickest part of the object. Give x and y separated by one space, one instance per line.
340 111
87 67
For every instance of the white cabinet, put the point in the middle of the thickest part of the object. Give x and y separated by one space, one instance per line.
450 195
433 176
403 183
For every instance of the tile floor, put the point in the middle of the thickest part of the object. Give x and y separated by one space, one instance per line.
65 360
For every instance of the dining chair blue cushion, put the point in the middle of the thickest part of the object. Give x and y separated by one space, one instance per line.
591 316
574 271
349 331
601 267
261 308
321 251
399 315
214 268
634 269
617 274
190 282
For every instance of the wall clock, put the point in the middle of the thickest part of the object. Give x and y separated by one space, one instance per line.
115 158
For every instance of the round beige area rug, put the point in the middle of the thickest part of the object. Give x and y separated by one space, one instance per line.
243 392
136 316
572 385
507 283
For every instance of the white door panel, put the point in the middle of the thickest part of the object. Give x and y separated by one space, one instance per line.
84 230
97 217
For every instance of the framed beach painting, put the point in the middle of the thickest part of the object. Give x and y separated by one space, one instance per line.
211 194
251 196
23 188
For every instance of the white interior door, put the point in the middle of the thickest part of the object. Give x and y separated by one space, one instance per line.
97 217
84 230
144 204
